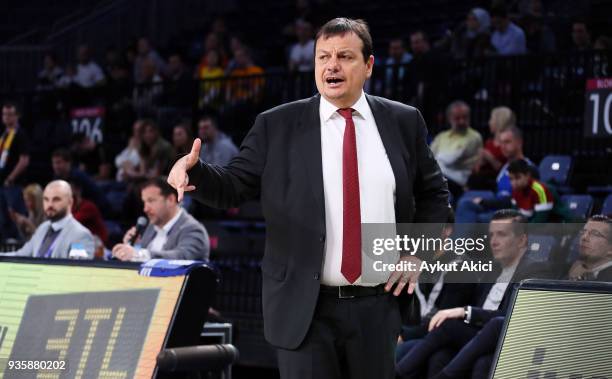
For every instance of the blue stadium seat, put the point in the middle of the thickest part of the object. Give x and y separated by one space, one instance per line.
579 205
116 199
606 209
115 233
555 169
469 195
539 247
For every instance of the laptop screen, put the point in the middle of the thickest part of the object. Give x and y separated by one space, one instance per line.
557 330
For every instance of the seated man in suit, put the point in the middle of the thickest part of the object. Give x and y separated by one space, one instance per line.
172 233
434 291
595 259
455 327
61 236
595 263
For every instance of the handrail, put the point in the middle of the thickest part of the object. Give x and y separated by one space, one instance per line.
100 11
21 37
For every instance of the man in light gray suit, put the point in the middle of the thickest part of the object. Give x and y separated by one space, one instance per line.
172 233
61 236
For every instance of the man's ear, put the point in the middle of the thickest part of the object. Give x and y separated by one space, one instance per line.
369 66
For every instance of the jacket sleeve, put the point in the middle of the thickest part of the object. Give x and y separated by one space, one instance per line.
27 250
239 181
193 244
430 188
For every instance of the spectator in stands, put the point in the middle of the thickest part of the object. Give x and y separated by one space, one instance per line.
491 156
142 62
531 197
540 38
236 44
301 54
457 149
111 60
217 147
214 43
61 161
69 78
14 155
246 83
178 89
51 73
472 38
128 161
14 160
148 92
88 72
91 157
155 152
481 210
210 75
595 247
182 138
33 199
427 76
581 36
61 236
397 56
507 37
172 233
453 328
88 214
595 264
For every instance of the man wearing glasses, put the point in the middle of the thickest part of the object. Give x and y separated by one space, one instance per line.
595 246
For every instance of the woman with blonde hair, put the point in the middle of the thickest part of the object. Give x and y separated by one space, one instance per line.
33 198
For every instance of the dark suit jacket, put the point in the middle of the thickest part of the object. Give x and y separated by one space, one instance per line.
280 163
526 269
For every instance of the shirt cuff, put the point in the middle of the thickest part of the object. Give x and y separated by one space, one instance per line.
468 315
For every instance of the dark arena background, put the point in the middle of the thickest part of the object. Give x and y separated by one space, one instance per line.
108 94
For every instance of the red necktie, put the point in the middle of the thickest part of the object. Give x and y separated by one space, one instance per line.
351 215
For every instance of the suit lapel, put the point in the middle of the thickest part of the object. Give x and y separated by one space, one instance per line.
398 156
309 134
171 237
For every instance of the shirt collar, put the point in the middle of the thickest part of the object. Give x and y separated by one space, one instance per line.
60 224
166 228
327 109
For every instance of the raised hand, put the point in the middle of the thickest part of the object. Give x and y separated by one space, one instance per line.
178 177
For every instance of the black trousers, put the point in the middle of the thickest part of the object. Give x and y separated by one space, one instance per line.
348 339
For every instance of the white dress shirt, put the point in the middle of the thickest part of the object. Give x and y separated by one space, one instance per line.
161 236
496 294
376 181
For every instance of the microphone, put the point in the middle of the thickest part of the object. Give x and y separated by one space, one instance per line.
141 225
197 358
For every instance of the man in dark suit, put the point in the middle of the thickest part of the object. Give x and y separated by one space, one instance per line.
454 328
172 233
595 247
595 263
321 166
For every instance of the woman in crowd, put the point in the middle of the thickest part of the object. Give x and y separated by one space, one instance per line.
33 198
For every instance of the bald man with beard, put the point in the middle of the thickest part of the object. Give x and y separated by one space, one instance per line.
61 233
